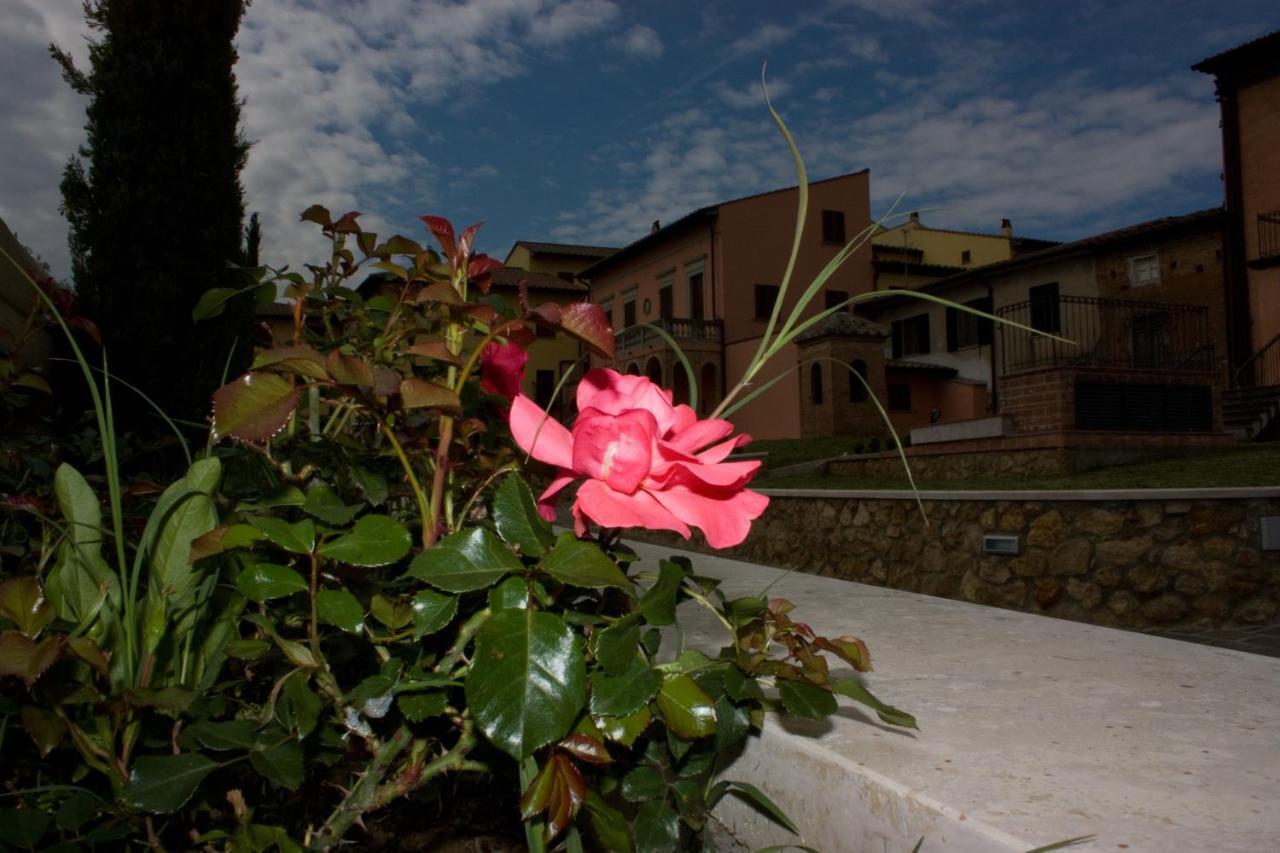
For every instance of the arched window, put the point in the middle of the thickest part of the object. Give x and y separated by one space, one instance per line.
708 395
653 369
857 390
633 369
815 383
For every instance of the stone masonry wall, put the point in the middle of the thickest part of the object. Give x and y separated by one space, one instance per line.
1123 563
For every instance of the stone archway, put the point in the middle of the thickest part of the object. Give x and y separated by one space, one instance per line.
680 386
653 369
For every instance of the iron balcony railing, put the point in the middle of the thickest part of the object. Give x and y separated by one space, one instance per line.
1269 234
1105 333
1262 369
682 329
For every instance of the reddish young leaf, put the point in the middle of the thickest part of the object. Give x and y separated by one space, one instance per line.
398 245
480 271
254 407
386 382
301 359
586 748
418 393
483 314
850 649
435 350
347 223
465 240
587 323
521 335
443 231
348 369
439 291
367 240
546 314
87 326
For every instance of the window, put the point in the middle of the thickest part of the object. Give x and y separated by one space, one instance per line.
1045 313
899 397
857 390
966 257
815 384
968 330
1150 339
544 386
607 308
544 331
766 295
1144 270
833 227
695 295
628 314
835 297
911 336
666 304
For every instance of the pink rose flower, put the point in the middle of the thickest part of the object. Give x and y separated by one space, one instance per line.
502 368
646 462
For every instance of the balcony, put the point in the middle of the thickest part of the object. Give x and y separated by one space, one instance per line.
1269 236
691 335
1110 333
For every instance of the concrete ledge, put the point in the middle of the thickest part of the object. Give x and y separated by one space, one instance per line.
1034 494
1033 730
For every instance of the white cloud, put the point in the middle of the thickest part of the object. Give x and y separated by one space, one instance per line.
762 38
642 42
751 95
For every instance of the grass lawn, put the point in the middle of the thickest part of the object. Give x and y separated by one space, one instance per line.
1247 465
792 451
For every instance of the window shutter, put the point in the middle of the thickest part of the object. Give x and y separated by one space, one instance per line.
953 336
897 339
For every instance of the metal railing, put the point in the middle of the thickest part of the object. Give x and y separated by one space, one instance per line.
1262 369
1269 234
681 328
1105 333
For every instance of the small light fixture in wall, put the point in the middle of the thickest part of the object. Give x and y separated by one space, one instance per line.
995 543
648 307
1270 532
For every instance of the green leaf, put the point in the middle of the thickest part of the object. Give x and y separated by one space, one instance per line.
618 645
263 581
609 825
642 784
806 700
658 604
281 764
688 711
75 811
657 828
741 686
417 707
732 724
74 584
184 512
577 562
417 393
857 691
757 799
304 704
247 649
527 680
324 504
376 540
212 303
625 730
23 603
23 827
373 484
299 537
341 609
230 734
513 592
618 696
392 614
432 611
254 407
163 783
468 560
516 516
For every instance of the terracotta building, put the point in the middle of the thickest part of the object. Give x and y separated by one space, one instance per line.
710 280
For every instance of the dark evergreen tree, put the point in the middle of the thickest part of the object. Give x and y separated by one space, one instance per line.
154 199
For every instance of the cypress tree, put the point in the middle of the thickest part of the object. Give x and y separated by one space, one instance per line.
154 199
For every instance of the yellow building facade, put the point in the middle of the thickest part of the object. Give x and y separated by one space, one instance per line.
912 254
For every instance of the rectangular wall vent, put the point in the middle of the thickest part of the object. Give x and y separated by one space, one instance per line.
994 543
1271 533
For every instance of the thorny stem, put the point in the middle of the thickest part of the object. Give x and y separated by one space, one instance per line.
361 798
313 630
424 512
465 633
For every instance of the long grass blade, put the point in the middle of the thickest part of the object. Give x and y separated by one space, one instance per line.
684 362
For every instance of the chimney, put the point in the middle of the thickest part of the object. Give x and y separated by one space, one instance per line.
1006 228
915 217
657 226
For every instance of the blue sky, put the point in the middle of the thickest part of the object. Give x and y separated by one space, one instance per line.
585 120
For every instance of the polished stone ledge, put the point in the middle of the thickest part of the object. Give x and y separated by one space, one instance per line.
1032 730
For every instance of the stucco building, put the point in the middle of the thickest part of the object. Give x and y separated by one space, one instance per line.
913 254
710 280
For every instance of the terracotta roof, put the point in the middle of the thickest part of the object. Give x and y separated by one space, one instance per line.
1262 51
844 323
570 249
701 213
513 276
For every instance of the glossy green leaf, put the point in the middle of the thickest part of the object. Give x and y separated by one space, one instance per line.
741 686
417 707
857 691
163 783
23 602
618 696
376 540
264 581
516 516
225 735
298 538
578 562
281 763
611 828
625 730
643 783
618 645
527 680
392 614
212 303
658 604
468 560
254 408
303 703
372 484
732 724
806 700
24 827
657 828
687 710
432 611
755 798
341 609
324 504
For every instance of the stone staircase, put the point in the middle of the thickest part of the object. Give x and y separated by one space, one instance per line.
1251 412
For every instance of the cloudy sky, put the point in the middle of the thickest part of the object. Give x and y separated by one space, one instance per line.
585 120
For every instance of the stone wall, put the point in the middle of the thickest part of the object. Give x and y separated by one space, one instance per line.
1132 563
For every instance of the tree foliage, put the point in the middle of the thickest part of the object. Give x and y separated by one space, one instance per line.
154 199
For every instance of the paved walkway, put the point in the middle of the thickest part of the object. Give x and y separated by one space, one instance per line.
1258 639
